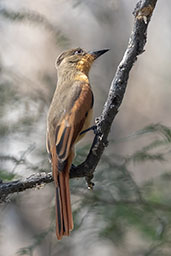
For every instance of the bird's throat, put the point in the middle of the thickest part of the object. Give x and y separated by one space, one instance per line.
85 63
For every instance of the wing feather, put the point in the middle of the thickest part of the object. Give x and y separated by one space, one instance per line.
71 125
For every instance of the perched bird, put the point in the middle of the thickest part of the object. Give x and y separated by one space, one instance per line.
69 114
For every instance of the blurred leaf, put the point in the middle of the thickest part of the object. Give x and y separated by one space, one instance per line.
114 231
7 94
38 239
35 17
6 176
156 128
143 156
81 153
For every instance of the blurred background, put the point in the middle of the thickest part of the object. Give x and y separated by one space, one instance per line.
128 212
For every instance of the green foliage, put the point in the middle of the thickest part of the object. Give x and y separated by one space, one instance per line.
120 204
6 176
7 94
142 156
37 241
160 129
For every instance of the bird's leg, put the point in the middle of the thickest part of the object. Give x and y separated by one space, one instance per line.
94 128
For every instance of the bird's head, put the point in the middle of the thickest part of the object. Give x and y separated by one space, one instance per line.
78 59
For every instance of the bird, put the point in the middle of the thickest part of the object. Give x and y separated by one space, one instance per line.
69 115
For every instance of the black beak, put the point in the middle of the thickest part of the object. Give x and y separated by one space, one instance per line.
97 54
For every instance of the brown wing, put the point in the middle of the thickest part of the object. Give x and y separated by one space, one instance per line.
71 125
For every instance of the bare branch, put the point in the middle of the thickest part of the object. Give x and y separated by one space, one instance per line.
137 40
35 180
142 15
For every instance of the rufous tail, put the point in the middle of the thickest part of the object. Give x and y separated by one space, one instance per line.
64 220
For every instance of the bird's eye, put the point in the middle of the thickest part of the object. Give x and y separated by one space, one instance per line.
79 51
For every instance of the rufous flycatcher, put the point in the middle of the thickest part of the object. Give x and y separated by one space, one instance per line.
69 114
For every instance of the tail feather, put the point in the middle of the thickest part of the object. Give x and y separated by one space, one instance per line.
64 202
64 220
59 227
68 200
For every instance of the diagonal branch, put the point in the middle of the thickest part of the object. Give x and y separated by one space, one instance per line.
137 40
142 15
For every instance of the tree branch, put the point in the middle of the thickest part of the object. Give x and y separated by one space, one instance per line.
137 40
35 180
142 15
